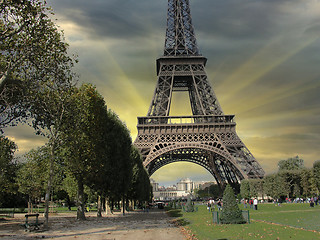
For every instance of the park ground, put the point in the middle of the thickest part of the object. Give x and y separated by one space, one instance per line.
140 225
289 221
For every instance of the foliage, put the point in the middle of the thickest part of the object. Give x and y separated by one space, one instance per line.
35 62
308 183
34 174
274 186
32 55
256 187
31 177
140 182
231 214
69 184
295 163
245 189
316 173
81 137
213 190
291 181
8 167
119 154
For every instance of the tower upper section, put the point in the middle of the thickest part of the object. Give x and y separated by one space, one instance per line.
180 37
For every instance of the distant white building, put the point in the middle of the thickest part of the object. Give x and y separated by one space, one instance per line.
170 195
183 188
185 185
155 185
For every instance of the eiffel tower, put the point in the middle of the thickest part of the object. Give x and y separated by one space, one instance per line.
208 137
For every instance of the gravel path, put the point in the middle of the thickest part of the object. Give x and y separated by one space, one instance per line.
154 225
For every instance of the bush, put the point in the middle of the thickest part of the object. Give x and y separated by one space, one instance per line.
231 213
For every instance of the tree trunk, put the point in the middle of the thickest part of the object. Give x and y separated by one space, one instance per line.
69 203
112 205
107 206
123 205
49 186
80 201
99 207
29 205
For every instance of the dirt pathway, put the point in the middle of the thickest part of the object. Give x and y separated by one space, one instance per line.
134 225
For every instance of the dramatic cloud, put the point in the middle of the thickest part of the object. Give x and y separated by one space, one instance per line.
263 63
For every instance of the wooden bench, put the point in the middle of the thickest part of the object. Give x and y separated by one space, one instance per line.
29 225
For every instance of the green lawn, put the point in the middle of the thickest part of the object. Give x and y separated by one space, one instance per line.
290 221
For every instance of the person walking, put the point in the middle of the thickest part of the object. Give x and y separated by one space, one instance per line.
245 203
255 203
251 203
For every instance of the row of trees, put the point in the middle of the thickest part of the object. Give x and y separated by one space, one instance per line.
292 180
87 145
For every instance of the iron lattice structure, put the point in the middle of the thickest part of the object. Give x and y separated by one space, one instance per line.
208 137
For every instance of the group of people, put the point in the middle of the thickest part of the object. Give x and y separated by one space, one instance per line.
211 205
312 201
253 203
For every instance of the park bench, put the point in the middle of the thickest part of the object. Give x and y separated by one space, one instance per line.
29 225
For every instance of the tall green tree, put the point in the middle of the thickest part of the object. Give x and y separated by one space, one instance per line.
82 139
316 173
308 183
274 186
256 187
140 183
8 168
34 173
31 177
35 62
119 150
245 189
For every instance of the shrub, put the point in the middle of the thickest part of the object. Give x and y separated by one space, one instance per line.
231 213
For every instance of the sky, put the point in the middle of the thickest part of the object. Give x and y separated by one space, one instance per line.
263 64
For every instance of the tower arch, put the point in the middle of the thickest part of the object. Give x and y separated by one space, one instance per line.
219 165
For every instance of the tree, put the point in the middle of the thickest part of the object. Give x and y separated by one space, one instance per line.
316 173
308 183
245 189
31 177
140 183
83 143
49 105
295 163
69 184
8 168
274 186
34 60
34 174
231 213
32 51
119 150
256 187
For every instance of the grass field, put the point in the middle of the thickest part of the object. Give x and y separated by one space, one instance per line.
290 221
